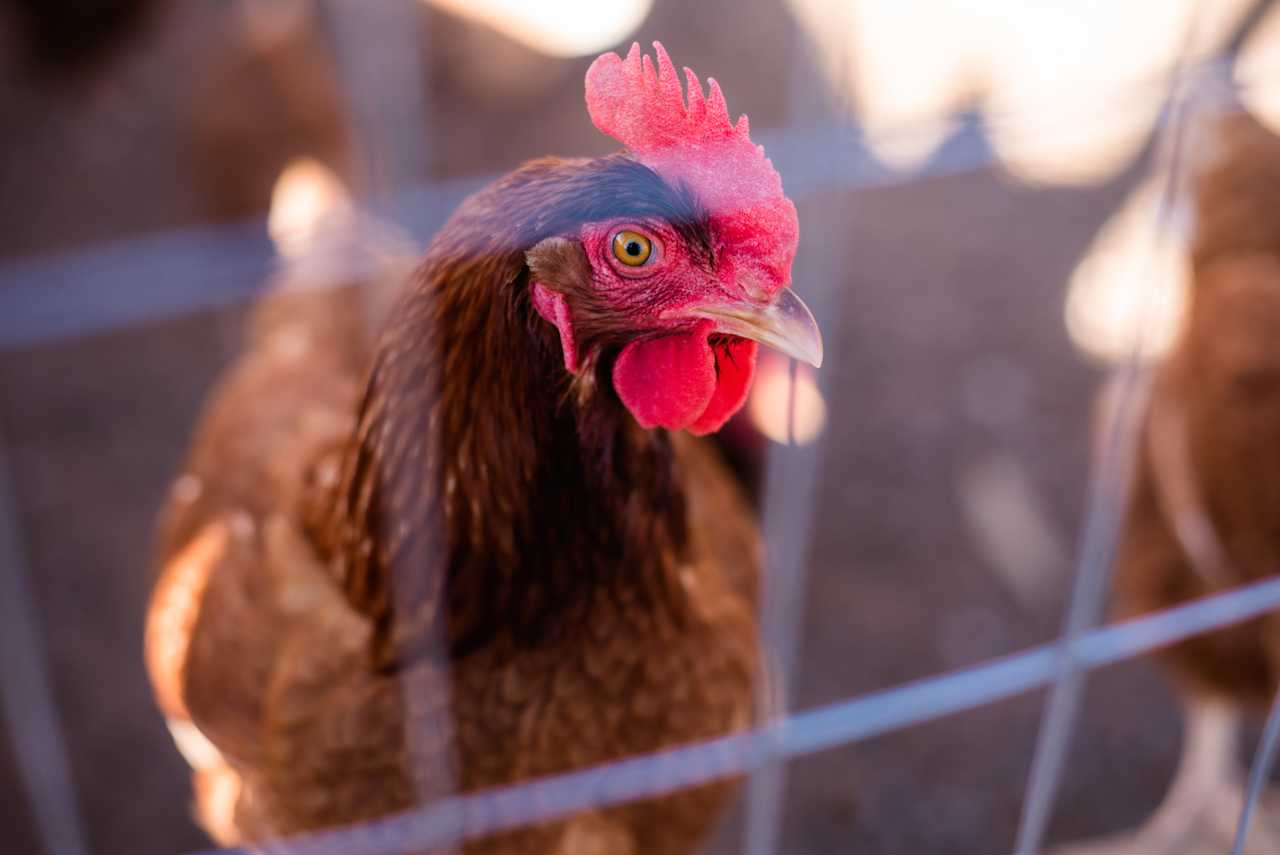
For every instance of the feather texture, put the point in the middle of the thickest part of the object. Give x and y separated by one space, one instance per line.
439 562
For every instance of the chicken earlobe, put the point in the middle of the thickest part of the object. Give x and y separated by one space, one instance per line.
557 265
552 306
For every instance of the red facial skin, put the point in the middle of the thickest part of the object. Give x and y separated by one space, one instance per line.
659 293
691 141
672 377
677 374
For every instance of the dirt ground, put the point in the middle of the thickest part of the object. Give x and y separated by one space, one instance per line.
951 384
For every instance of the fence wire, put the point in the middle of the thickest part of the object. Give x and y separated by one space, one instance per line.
1263 760
479 814
166 276
27 701
1105 506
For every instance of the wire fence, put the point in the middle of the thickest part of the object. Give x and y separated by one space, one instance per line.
473 816
186 271
1106 500
169 275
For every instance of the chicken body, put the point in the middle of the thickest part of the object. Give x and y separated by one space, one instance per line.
252 641
1204 513
480 548
439 562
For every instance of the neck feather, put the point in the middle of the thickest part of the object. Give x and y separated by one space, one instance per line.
486 490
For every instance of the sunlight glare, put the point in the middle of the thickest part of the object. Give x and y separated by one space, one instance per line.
1069 90
771 396
1257 71
305 194
563 28
1131 277
905 79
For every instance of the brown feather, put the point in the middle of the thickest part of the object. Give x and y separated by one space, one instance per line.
490 573
471 444
1205 512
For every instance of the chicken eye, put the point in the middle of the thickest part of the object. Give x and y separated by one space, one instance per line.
632 248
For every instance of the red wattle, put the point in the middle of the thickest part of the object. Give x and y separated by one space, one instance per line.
679 381
666 382
735 366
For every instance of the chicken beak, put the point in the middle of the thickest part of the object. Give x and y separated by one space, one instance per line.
786 325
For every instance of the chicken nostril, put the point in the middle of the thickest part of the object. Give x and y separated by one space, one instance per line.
754 290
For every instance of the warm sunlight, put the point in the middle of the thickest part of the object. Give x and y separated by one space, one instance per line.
1130 288
557 27
1258 71
1069 91
905 79
771 398
306 192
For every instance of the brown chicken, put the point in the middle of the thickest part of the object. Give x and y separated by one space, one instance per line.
485 547
1204 514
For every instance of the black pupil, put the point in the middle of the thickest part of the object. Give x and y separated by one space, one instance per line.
634 249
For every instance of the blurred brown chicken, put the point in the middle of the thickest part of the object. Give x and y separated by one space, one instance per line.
1205 509
480 549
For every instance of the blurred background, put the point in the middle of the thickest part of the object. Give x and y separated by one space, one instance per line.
975 193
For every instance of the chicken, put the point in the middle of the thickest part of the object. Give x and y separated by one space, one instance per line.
1204 511
488 546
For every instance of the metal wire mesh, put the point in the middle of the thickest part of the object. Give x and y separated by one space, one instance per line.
474 816
167 275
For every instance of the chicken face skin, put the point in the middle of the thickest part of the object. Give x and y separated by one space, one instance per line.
695 291
685 322
674 368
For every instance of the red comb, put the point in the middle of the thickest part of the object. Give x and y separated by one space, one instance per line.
644 109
